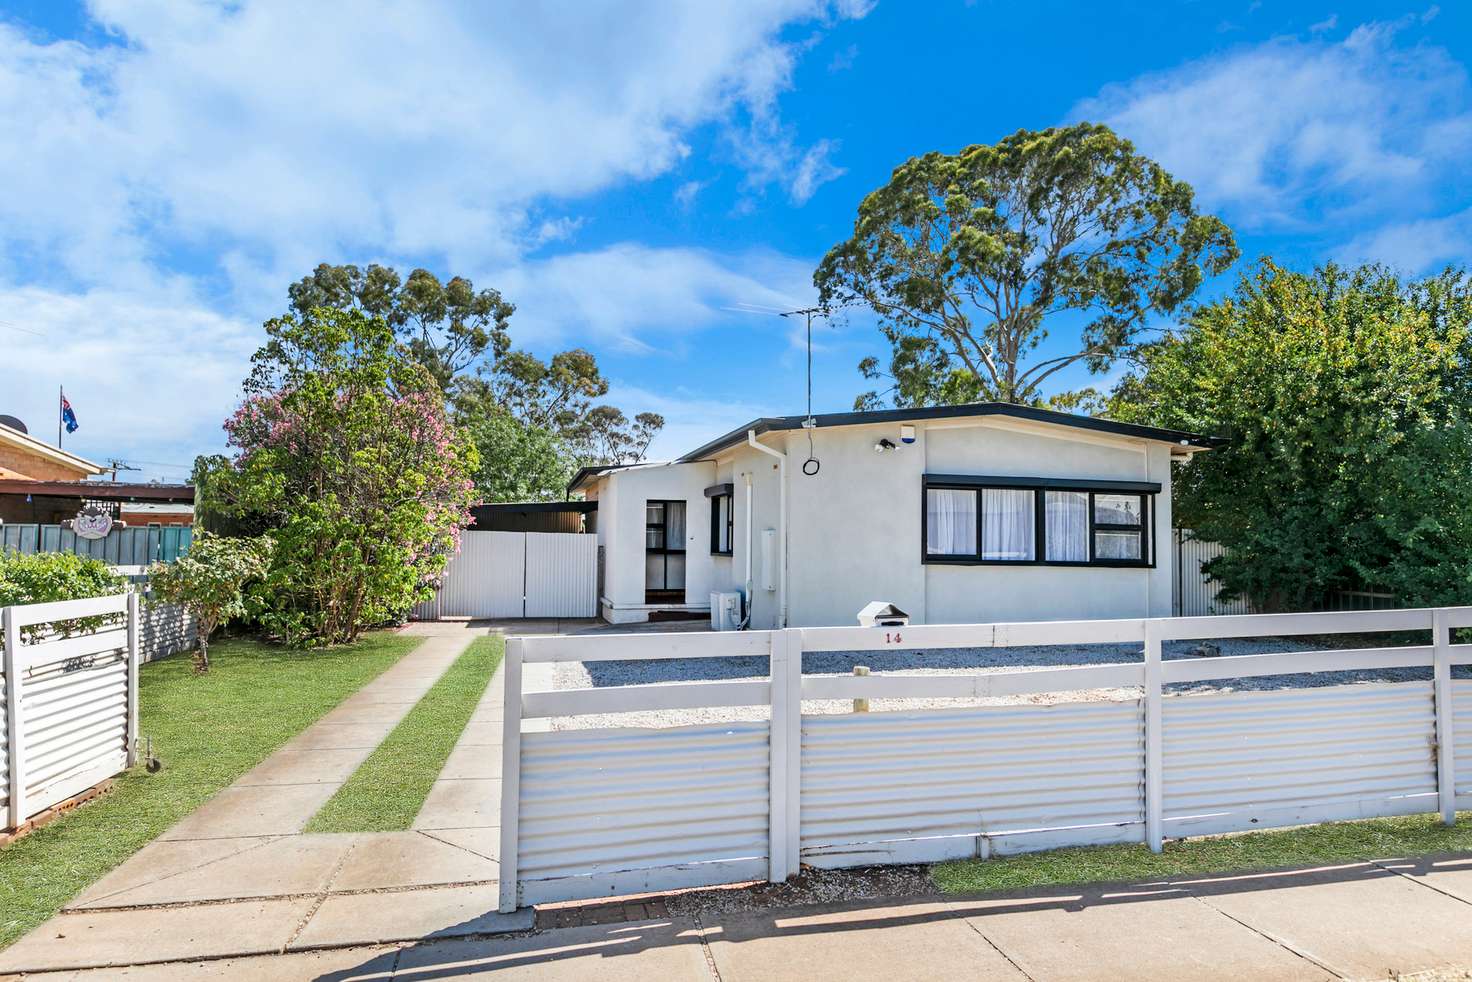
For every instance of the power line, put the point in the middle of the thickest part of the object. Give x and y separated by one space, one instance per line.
23 330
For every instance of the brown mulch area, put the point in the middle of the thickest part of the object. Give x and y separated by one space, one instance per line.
812 886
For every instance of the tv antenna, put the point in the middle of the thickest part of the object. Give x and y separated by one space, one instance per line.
811 466
120 465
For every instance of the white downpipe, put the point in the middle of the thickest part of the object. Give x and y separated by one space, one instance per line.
781 524
750 542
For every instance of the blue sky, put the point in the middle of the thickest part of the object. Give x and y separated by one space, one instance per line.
626 173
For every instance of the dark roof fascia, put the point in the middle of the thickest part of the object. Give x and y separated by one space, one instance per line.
776 423
522 507
101 490
1060 483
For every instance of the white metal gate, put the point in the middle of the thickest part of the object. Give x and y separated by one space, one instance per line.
521 574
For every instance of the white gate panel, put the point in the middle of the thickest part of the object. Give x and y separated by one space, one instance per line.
1462 739
929 785
1245 760
620 811
561 574
487 578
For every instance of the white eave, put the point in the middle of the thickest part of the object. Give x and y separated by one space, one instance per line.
30 444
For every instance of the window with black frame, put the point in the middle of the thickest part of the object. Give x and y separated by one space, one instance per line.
1047 522
721 524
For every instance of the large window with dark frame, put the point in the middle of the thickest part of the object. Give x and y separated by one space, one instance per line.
1048 523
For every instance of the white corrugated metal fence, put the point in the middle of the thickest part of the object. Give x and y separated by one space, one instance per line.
70 700
518 574
618 810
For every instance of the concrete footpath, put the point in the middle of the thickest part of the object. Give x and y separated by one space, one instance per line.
238 876
1359 921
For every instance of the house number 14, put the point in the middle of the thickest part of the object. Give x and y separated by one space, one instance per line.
891 638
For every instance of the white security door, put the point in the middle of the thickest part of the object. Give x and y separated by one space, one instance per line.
561 574
488 576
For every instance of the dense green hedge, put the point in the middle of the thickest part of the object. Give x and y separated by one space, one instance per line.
47 576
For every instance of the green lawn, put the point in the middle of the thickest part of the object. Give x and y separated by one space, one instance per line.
1338 842
385 792
208 730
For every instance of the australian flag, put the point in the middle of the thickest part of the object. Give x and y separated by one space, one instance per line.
67 416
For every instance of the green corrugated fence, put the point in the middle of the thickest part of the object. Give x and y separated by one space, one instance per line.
121 547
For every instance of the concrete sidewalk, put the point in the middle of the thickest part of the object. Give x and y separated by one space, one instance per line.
239 877
1357 921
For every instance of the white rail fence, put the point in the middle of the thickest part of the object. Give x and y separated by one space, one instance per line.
618 810
68 702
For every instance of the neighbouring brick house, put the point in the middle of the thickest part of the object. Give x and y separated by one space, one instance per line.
44 485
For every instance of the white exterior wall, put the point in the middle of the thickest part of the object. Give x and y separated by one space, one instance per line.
735 467
855 526
958 594
621 497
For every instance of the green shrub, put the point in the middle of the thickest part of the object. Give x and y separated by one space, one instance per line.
48 576
208 582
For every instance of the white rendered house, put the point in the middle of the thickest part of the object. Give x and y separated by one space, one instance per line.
974 513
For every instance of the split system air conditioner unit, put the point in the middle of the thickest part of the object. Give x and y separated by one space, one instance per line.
725 611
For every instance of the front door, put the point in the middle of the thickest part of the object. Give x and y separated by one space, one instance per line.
664 552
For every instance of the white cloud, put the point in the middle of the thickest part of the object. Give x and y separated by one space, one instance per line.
633 295
1276 132
686 193
273 127
691 420
149 377
1421 246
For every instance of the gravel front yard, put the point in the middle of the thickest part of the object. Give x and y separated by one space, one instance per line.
948 661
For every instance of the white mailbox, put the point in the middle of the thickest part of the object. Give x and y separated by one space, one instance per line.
882 614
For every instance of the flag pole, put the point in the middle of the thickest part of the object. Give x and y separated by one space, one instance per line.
60 400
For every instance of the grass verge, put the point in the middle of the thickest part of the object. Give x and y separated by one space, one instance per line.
386 791
1315 845
208 730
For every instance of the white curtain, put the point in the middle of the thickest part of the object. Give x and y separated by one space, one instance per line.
674 527
1117 545
950 522
1067 527
1008 524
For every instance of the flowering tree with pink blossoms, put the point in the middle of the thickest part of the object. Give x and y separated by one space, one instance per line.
344 457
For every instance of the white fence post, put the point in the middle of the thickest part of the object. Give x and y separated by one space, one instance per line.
17 762
133 662
1441 674
785 756
777 760
793 682
510 775
1154 734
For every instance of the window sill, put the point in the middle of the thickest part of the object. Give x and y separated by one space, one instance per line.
723 555
976 561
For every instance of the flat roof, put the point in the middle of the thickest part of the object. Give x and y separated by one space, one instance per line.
1032 414
99 490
